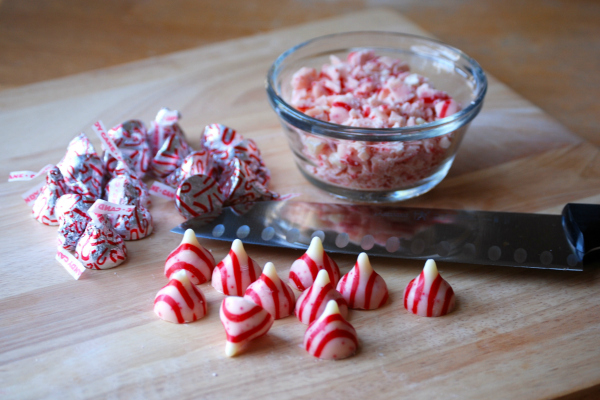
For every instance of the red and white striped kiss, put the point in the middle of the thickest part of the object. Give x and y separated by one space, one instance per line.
191 257
331 337
429 295
180 301
312 302
236 272
305 269
362 287
243 321
271 293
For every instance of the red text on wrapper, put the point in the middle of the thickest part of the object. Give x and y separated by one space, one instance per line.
32 194
70 263
28 175
162 190
108 143
105 207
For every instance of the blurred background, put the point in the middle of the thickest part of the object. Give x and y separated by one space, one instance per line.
546 50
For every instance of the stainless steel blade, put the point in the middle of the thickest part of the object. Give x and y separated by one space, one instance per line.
477 237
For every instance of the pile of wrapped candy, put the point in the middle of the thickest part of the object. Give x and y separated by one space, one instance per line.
227 171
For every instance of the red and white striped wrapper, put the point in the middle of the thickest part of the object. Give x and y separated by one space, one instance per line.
82 168
199 195
44 206
191 257
312 302
271 293
170 156
225 144
180 301
72 212
429 295
362 287
236 272
196 163
125 188
243 321
100 246
164 126
130 138
305 269
331 337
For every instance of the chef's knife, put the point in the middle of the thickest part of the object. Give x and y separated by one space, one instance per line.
564 242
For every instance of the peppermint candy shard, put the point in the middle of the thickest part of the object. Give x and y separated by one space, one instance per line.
235 272
305 269
243 321
331 337
429 295
44 207
312 302
362 287
192 258
180 301
271 293
100 247
199 195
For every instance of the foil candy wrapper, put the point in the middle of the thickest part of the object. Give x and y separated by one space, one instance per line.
164 126
44 207
196 163
126 188
134 226
225 144
130 137
71 210
82 168
170 156
100 246
239 185
199 195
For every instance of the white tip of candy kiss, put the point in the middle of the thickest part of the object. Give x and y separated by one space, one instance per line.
312 302
430 271
235 272
304 270
232 349
192 257
189 237
322 279
315 251
364 264
330 309
180 301
429 295
331 337
270 271
271 293
362 287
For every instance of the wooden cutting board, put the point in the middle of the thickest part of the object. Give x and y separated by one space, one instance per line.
515 334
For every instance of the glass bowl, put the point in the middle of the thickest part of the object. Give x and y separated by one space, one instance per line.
401 163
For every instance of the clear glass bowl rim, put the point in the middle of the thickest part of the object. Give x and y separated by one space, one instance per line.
418 132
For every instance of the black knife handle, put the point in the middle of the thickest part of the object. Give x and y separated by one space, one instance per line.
581 223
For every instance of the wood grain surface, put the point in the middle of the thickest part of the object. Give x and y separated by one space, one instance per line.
516 333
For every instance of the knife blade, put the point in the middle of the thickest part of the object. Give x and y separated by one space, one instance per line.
564 242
